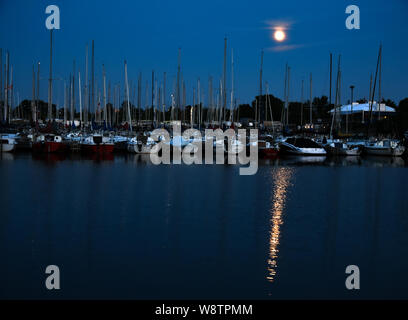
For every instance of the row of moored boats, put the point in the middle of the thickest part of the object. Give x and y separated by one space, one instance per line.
268 146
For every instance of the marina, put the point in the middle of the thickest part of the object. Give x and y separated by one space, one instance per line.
181 152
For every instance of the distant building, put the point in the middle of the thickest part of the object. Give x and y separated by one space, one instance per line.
380 110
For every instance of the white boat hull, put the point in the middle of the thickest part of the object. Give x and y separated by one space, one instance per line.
291 149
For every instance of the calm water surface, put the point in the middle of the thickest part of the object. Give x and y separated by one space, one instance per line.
124 228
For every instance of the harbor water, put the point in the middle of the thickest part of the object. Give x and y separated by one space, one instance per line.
124 228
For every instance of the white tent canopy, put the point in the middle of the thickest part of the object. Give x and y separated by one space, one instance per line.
363 107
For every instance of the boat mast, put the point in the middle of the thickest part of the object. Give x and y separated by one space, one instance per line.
139 95
37 105
104 95
11 94
72 99
110 109
211 100
198 104
283 113
1 75
301 108
65 103
146 100
379 87
80 98
152 95
33 99
184 103
155 104
287 99
232 87
6 98
164 97
127 92
310 102
50 82
73 93
224 87
192 110
178 85
260 104
93 77
86 106
330 93
373 93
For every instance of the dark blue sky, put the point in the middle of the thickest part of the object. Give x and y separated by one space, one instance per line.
149 33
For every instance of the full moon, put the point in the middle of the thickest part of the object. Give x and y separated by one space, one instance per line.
279 35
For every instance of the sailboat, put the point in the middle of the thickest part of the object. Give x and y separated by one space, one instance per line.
97 143
338 148
49 143
384 147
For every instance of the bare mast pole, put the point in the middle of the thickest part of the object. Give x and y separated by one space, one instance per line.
127 92
164 97
72 99
33 99
65 103
258 116
310 102
178 85
37 105
198 104
105 119
224 87
379 86
232 87
93 77
6 97
139 95
301 109
1 74
50 82
80 98
86 105
330 93
287 99
283 116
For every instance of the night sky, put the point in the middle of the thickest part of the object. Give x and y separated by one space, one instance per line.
148 34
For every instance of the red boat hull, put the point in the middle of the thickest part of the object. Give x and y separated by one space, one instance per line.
98 148
268 152
49 147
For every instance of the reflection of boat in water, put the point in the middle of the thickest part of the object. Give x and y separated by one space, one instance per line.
99 156
301 146
49 157
343 161
142 158
380 161
7 156
342 149
299 160
386 147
